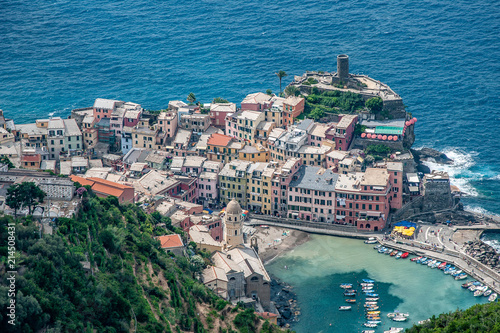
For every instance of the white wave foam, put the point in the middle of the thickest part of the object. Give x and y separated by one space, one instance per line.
493 243
479 210
459 171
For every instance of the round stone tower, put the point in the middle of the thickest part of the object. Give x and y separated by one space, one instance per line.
343 66
233 232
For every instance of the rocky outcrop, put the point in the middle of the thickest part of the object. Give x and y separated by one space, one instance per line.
285 301
483 253
429 154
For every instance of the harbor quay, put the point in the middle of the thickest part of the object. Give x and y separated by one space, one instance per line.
447 251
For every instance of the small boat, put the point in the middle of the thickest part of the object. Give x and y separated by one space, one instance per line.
466 285
346 285
405 255
372 295
366 284
372 308
395 330
372 318
456 273
370 304
371 240
371 299
416 258
368 331
487 293
374 321
473 288
367 288
393 253
368 281
478 293
349 294
398 256
382 250
442 265
493 297
370 325
477 283
461 276
373 312
351 291
397 314
350 300
400 318
449 270
430 263
388 251
421 322
378 246
436 264
344 308
423 260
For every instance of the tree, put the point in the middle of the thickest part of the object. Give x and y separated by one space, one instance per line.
5 160
317 113
217 100
292 91
191 97
281 74
269 92
375 104
24 194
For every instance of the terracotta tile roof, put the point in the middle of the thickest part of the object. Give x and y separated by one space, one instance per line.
109 183
81 180
32 158
217 139
169 241
267 315
108 190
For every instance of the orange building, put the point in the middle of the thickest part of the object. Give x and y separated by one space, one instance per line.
104 188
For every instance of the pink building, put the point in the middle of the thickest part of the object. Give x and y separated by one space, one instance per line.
168 122
333 159
311 194
257 102
292 108
344 131
279 186
208 183
395 170
132 117
104 107
317 134
218 113
363 199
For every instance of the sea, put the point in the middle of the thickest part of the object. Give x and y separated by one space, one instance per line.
441 56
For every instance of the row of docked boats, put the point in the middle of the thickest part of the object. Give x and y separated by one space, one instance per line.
480 290
447 269
393 253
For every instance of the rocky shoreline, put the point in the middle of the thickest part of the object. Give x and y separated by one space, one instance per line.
286 302
483 253
428 154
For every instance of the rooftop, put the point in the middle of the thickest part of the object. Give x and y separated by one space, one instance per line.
102 103
170 241
256 98
315 178
223 107
375 177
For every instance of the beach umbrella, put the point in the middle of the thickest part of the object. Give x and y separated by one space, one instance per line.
379 137
414 120
407 123
384 137
363 135
395 138
369 136
389 138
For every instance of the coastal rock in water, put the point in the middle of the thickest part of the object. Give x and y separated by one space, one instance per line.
430 154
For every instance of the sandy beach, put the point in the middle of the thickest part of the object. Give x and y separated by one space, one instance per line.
273 241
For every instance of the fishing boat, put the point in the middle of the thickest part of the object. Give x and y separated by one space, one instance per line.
368 281
400 318
461 276
487 293
371 240
442 265
371 299
346 285
466 285
416 258
393 253
405 255
344 308
372 295
493 297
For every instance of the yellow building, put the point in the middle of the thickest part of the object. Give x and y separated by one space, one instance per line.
144 137
254 154
223 148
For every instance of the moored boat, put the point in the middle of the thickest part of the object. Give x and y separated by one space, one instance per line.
370 325
373 312
349 294
368 281
370 304
397 314
350 300
372 308
423 260
467 284
436 264
371 240
430 263
487 293
372 295
393 253
478 293
368 331
493 297
395 330
400 318
378 246
461 276
473 288
398 256
346 285
416 258
455 273
344 308
405 255
372 299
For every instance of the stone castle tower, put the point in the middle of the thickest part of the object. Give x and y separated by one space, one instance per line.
233 231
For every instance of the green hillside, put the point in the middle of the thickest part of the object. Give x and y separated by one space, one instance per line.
134 286
481 318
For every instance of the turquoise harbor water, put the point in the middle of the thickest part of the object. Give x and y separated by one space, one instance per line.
401 284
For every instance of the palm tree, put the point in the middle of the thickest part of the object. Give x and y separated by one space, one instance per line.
191 97
281 74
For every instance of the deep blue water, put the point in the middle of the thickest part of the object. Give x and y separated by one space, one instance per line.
441 56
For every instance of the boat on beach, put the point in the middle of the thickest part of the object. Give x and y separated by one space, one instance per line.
344 308
493 297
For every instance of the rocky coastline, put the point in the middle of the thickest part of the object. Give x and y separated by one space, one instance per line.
428 154
285 301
